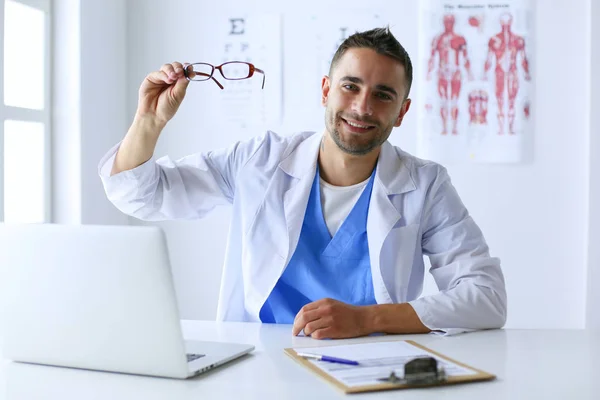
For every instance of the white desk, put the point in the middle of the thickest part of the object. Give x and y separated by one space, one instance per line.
530 364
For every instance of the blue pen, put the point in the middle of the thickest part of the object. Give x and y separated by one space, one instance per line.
327 358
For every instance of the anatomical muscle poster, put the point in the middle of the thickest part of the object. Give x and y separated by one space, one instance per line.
475 78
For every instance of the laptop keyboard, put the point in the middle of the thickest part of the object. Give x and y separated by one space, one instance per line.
192 357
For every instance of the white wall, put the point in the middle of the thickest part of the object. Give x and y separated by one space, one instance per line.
593 310
89 105
103 99
535 216
66 110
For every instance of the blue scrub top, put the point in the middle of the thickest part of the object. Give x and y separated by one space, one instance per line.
322 266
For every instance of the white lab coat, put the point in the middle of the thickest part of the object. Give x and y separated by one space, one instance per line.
414 211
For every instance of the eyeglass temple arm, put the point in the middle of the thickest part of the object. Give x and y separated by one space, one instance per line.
263 74
202 73
217 82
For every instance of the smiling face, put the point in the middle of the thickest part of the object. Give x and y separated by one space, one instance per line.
364 100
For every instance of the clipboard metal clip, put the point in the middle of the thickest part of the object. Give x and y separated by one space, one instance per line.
420 371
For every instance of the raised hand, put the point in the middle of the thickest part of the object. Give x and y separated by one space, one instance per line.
161 93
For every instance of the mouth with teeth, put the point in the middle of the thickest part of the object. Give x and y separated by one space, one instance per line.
357 127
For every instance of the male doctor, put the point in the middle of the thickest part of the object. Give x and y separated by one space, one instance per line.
329 229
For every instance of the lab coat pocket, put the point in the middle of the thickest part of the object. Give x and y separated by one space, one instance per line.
398 258
266 237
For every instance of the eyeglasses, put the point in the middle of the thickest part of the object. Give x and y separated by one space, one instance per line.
232 70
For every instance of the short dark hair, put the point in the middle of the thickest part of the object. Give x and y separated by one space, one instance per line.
383 42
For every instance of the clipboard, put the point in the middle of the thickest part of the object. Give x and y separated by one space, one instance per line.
474 375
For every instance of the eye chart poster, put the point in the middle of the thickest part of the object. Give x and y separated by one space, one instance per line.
475 74
253 38
329 31
325 32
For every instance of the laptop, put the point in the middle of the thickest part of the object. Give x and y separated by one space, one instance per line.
97 297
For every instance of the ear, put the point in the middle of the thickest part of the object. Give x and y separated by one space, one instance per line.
403 111
325 85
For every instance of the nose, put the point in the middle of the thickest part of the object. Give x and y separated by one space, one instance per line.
362 103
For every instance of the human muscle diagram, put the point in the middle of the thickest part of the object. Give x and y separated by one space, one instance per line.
504 49
475 101
478 100
450 49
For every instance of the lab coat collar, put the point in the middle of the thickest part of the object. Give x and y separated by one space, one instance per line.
392 173
296 163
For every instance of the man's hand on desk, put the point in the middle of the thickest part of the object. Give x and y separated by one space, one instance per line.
332 319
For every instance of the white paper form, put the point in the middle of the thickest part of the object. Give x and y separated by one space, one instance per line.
376 360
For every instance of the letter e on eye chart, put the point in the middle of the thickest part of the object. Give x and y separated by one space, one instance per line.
256 39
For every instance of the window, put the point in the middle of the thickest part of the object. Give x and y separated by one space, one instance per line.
25 145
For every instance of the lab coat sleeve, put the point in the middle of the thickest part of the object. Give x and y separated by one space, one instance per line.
472 292
186 188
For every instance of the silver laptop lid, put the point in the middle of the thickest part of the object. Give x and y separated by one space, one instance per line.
90 296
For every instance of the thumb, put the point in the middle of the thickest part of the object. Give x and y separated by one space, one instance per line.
180 88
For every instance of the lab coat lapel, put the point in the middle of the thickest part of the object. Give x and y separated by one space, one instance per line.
301 164
392 178
295 176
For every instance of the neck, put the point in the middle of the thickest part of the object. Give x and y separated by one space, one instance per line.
342 169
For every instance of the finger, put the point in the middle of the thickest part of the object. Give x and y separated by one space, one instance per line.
169 70
303 318
318 324
326 332
159 77
312 306
177 67
180 87
190 71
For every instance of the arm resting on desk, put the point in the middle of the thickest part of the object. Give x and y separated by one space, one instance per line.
471 285
333 319
393 318
472 293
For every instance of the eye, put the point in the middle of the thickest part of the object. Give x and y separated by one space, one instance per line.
350 86
384 96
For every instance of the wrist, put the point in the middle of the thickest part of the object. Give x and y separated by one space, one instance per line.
368 319
147 124
391 318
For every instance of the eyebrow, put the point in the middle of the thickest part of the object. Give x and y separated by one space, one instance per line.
383 88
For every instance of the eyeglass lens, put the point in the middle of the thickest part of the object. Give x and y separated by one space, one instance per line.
199 72
231 70
235 70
